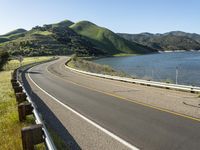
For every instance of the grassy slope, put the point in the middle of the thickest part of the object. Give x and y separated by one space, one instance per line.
10 127
89 66
17 31
65 23
54 39
106 39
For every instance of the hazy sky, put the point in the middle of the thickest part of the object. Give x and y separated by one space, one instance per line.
130 16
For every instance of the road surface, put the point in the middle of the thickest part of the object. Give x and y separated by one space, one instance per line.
140 125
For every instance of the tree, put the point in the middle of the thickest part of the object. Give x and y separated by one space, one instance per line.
3 58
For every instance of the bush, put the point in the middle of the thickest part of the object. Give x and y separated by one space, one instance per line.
3 58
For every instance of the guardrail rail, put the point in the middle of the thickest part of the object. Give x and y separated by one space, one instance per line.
192 89
34 134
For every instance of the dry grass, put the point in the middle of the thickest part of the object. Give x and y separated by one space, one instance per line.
89 66
10 127
13 64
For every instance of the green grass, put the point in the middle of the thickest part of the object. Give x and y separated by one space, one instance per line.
79 63
10 127
42 32
107 40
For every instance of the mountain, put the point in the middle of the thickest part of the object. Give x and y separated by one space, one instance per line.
52 39
193 36
12 35
65 23
107 40
83 38
17 31
175 40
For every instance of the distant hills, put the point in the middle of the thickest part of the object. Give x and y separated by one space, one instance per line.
175 40
83 38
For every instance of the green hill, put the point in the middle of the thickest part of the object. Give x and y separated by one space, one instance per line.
3 39
12 35
65 23
53 39
83 38
17 31
107 40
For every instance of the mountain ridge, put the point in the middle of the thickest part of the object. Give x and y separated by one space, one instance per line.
174 40
64 38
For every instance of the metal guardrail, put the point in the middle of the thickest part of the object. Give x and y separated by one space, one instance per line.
193 89
47 138
48 141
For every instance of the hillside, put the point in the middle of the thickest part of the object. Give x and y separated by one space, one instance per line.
107 40
64 23
12 35
53 39
193 36
175 40
83 38
17 31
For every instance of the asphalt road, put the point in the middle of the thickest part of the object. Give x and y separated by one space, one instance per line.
144 127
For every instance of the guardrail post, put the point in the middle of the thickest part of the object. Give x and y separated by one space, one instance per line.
13 80
32 135
24 109
15 84
20 97
17 89
14 75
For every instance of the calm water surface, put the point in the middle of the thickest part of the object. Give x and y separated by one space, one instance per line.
160 67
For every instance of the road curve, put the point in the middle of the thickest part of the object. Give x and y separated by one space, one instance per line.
145 127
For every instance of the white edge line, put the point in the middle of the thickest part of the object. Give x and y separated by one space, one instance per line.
86 119
140 81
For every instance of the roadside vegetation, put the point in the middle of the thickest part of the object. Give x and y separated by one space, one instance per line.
124 54
82 64
3 58
13 64
10 127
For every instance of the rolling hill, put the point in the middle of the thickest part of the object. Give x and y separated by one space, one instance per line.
175 40
12 35
17 31
53 39
107 40
83 38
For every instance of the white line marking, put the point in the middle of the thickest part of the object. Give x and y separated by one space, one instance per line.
86 119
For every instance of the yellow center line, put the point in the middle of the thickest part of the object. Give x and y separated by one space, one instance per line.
126 99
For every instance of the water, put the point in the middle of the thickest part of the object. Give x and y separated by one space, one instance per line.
160 67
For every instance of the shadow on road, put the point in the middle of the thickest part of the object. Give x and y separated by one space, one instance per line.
32 72
50 119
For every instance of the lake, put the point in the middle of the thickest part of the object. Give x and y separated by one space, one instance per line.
160 67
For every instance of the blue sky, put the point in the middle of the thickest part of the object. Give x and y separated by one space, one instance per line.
129 16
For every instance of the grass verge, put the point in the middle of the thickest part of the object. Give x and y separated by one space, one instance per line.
10 127
13 64
123 55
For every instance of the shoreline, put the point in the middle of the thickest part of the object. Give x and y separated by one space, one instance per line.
177 51
168 79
